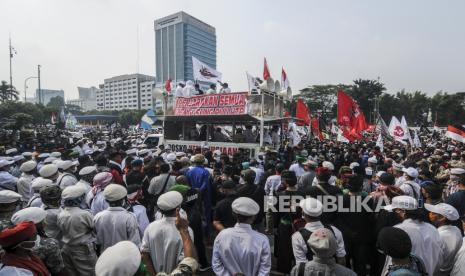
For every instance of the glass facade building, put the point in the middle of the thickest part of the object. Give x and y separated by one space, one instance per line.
178 37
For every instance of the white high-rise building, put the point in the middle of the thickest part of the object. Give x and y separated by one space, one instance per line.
87 98
126 92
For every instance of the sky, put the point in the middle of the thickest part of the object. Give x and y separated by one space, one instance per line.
411 45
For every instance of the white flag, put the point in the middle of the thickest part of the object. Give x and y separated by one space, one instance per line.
294 136
397 131
416 140
203 72
380 143
254 85
404 125
340 135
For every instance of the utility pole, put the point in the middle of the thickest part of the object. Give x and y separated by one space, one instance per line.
38 77
11 71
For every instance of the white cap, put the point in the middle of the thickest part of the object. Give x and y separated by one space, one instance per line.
27 154
353 165
457 171
180 154
39 182
7 196
122 259
88 151
114 192
48 170
50 160
131 151
73 191
397 166
143 152
443 209
169 200
65 164
170 157
28 166
55 154
87 170
373 160
11 151
245 206
311 207
4 163
329 165
412 172
402 202
17 158
34 214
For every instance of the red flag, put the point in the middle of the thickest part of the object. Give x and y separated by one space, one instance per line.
168 85
316 128
302 112
349 116
266 72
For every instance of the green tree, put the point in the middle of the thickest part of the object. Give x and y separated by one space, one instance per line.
56 102
365 92
21 120
73 109
8 92
130 117
322 99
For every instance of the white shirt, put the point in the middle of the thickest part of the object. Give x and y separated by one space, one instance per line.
459 262
142 219
272 184
426 244
241 250
258 174
98 203
178 92
299 246
451 241
411 188
66 180
51 223
331 181
163 241
297 169
24 186
116 224
35 201
225 90
211 91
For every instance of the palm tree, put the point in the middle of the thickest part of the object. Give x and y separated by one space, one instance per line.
8 92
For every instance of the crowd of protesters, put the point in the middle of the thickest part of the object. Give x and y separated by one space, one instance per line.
116 207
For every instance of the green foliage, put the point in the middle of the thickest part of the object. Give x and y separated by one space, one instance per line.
21 120
56 102
130 117
8 92
73 109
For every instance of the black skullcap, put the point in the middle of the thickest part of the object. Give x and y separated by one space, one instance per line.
228 184
387 178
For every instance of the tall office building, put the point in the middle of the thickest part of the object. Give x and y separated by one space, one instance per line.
126 92
46 94
87 98
178 37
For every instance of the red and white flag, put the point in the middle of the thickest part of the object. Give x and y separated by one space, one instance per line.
456 132
53 119
284 80
266 72
302 112
350 117
397 130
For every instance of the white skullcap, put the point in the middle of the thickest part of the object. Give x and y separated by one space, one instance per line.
17 158
329 165
245 206
27 154
143 151
48 170
28 166
65 164
171 157
369 171
114 192
311 207
169 200
73 191
34 214
4 163
11 151
443 209
180 154
457 171
55 154
88 152
7 196
122 259
44 155
131 151
87 170
40 182
50 160
373 160
412 172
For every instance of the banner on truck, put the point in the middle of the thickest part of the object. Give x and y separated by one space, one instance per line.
213 104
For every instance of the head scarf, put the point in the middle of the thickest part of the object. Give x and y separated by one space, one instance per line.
101 180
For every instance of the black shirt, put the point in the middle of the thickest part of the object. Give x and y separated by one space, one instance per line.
457 200
223 211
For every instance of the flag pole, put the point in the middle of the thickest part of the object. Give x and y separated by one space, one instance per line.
11 71
248 83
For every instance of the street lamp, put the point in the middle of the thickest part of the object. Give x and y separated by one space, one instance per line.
25 86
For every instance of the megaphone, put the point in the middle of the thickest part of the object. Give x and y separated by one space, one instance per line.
268 85
286 94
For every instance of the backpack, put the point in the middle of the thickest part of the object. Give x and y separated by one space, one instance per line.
306 235
403 271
